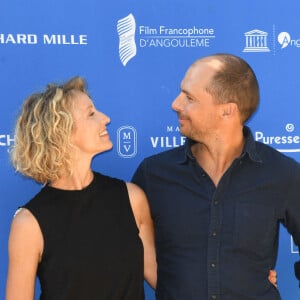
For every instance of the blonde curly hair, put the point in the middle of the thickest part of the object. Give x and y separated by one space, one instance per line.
43 129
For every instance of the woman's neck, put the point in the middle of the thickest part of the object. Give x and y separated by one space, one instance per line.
77 181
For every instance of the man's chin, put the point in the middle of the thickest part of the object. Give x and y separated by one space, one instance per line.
182 130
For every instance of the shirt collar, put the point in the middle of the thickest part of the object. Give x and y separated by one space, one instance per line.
249 148
250 145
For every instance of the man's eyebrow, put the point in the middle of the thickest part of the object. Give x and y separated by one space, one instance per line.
187 93
184 91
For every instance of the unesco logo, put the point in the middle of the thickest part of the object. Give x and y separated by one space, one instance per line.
256 41
127 141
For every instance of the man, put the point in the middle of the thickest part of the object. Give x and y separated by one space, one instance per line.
218 200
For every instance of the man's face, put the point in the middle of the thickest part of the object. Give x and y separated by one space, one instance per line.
198 113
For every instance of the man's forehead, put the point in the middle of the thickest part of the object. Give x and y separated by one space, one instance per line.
212 62
203 69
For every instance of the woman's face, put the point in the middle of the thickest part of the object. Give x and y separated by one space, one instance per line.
89 135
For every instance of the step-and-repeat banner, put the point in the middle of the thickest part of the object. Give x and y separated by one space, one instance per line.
133 55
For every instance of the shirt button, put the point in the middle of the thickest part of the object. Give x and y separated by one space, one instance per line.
203 174
213 297
213 265
216 202
214 233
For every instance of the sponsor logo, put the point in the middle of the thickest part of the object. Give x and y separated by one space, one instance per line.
256 41
284 143
285 40
173 139
134 36
45 39
126 30
127 141
6 140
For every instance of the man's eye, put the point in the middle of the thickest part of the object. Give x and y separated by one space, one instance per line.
92 113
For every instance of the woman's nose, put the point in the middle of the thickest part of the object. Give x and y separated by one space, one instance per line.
104 118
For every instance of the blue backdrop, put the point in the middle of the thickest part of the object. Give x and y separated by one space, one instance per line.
134 55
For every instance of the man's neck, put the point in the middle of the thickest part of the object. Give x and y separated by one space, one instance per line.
216 157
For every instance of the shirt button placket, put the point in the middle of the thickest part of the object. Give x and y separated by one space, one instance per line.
213 248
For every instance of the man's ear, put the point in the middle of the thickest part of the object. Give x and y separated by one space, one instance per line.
229 109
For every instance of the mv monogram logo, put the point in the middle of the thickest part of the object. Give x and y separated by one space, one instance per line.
126 30
127 141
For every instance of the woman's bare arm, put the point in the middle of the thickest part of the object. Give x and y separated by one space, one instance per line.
24 249
140 208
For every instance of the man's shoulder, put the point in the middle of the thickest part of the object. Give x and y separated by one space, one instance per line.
161 165
275 156
174 154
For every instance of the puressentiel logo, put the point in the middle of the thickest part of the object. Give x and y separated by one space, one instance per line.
134 37
288 142
127 141
285 40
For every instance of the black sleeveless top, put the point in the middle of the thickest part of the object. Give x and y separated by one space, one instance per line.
91 245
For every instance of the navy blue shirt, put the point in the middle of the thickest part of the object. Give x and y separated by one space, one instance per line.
220 242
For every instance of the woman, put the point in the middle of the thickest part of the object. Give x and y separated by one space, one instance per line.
85 235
